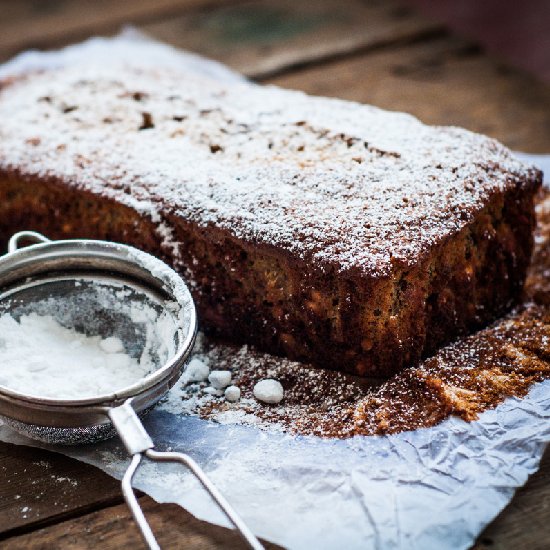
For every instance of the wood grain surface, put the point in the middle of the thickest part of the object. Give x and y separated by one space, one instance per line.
365 50
113 527
47 23
40 488
442 81
264 38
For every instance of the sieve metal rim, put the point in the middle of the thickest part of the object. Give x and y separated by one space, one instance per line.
78 255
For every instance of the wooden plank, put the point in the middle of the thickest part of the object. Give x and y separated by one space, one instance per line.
265 37
40 487
35 24
442 81
524 523
113 527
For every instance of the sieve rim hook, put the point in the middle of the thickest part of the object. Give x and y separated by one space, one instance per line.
33 236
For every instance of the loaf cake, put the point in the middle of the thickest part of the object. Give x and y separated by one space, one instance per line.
469 376
322 230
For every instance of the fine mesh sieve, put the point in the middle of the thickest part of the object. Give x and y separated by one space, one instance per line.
104 289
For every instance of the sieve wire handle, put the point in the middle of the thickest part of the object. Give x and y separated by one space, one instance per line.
139 445
13 244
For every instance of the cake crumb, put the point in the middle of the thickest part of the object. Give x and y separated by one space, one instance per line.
197 371
269 391
233 394
220 379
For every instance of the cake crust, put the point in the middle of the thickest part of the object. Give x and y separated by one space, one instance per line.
323 230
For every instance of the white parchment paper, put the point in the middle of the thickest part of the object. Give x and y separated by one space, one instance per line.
431 488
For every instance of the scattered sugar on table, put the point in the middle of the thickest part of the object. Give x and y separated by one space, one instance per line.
41 357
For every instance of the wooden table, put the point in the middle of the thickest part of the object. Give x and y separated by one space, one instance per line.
371 51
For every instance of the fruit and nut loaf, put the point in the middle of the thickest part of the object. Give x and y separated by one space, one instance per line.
323 230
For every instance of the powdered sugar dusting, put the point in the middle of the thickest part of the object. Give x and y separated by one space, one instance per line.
340 184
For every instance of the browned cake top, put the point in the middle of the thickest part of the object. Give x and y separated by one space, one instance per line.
343 185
